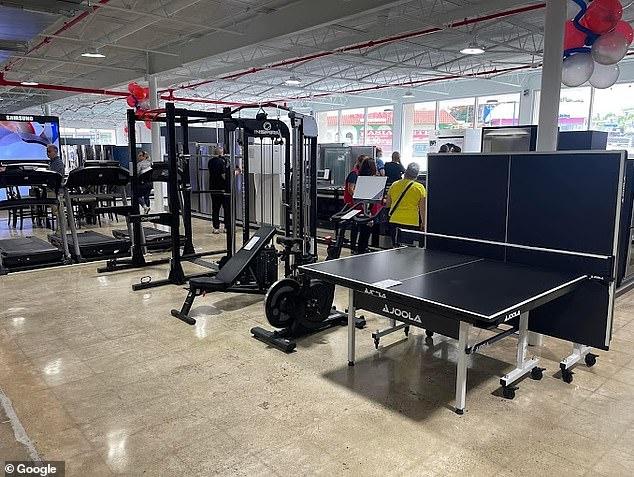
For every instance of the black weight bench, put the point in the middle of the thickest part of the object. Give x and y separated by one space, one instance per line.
226 280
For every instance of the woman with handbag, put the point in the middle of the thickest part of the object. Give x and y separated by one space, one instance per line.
406 202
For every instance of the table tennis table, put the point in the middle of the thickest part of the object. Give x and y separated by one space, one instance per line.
449 293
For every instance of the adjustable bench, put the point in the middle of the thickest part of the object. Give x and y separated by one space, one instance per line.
226 280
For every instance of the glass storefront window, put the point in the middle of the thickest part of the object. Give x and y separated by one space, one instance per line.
498 110
574 109
352 127
419 122
328 124
456 113
613 111
380 129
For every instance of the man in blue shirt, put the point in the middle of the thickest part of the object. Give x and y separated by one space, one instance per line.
56 164
380 165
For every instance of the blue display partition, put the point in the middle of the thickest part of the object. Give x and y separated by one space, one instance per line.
522 202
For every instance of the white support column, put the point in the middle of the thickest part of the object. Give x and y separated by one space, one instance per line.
397 128
547 136
47 109
551 75
525 116
159 192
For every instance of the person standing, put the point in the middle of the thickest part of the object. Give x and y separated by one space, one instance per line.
348 192
368 168
144 164
394 170
406 201
218 174
56 164
380 164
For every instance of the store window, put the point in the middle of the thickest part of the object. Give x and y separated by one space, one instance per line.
380 129
456 113
498 110
328 123
419 123
352 127
574 109
613 111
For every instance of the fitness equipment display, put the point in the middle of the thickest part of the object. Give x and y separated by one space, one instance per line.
297 305
26 253
242 273
176 174
93 245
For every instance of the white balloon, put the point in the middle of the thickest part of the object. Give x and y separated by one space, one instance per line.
604 76
609 48
577 69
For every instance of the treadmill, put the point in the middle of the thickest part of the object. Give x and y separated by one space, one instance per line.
27 253
154 239
91 245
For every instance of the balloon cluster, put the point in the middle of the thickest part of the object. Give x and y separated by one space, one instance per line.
594 42
139 99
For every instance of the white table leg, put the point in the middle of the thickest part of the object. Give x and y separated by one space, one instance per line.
351 327
461 373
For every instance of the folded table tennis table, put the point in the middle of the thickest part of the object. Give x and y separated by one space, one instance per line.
450 294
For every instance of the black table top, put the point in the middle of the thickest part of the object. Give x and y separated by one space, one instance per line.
467 286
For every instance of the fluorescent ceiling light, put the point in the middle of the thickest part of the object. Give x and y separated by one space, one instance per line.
472 49
29 83
408 94
293 81
93 53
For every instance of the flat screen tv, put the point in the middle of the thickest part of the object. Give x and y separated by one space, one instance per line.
25 137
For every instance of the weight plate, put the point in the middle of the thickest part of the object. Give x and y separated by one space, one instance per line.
316 304
280 303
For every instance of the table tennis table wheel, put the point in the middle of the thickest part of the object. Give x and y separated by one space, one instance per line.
566 375
537 373
591 360
508 392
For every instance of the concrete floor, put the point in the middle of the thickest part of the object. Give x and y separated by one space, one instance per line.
103 378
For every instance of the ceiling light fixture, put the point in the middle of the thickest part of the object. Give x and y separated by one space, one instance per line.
472 49
293 81
93 53
29 83
408 94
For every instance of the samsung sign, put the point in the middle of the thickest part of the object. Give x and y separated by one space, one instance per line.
10 117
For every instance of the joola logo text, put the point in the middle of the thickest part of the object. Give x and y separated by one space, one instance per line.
398 313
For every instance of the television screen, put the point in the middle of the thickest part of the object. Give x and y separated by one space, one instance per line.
24 137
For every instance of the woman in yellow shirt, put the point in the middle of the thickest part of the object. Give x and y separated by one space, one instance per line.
406 202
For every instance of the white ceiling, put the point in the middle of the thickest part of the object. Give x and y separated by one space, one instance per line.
220 42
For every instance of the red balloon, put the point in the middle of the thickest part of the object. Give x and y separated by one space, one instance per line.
138 92
132 86
131 101
626 29
148 124
602 16
573 37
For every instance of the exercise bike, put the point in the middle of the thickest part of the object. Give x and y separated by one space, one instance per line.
297 305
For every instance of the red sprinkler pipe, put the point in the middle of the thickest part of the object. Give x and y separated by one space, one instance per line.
82 16
70 89
369 44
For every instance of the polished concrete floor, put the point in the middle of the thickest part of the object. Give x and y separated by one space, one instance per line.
104 379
